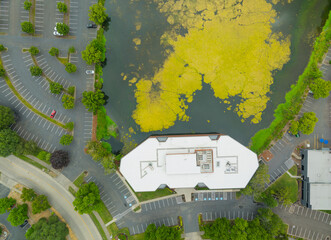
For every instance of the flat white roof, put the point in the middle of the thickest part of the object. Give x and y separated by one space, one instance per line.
223 163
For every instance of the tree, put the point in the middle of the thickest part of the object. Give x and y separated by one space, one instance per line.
258 181
59 159
94 52
238 230
69 126
271 223
54 51
108 163
71 90
220 229
2 71
48 230
28 194
62 7
6 203
70 67
66 139
36 71
27 5
284 195
55 87
27 148
18 215
2 48
268 199
87 198
72 49
162 233
68 101
9 140
93 100
320 88
40 204
7 117
97 150
294 128
33 50
97 13
150 232
27 27
307 123
44 156
62 28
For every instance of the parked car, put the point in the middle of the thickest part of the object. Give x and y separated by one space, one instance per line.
56 33
53 114
23 224
91 25
89 71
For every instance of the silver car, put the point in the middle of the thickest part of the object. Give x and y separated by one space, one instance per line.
89 71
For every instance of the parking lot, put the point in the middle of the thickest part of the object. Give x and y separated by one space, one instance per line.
4 15
163 203
88 120
280 171
230 214
73 17
213 196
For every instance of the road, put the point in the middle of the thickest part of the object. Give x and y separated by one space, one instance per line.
58 196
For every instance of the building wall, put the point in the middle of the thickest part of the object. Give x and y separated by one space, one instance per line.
305 201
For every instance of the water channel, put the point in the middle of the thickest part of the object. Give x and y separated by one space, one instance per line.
134 52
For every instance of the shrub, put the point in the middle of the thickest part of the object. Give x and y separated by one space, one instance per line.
33 50
42 155
36 71
70 67
55 87
27 27
72 49
2 71
71 90
62 28
66 139
69 126
68 101
59 159
62 7
54 51
2 48
98 85
27 5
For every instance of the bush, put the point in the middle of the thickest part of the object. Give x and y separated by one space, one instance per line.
55 87
69 126
70 67
42 155
66 139
71 90
36 71
2 71
27 27
27 148
68 101
2 48
7 117
54 51
98 85
27 5
33 50
62 28
59 159
62 7
72 49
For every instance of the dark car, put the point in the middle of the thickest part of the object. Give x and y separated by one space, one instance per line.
23 224
53 114
91 25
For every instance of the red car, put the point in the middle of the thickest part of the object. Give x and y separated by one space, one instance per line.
53 114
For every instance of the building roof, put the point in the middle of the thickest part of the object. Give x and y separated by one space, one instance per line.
183 161
319 177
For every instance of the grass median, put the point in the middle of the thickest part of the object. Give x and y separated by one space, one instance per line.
113 230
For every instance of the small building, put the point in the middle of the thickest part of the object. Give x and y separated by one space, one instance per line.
184 161
316 179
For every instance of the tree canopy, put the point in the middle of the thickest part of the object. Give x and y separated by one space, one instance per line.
59 159
87 198
18 215
294 128
49 229
62 7
93 100
7 117
97 13
71 68
55 87
321 88
27 5
161 233
307 122
40 204
34 50
66 139
9 140
28 195
27 148
62 28
27 27
36 71
54 51
68 101
6 203
94 52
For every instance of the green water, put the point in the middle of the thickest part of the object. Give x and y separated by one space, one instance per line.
300 19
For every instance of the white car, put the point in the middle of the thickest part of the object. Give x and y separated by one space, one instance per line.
56 33
89 71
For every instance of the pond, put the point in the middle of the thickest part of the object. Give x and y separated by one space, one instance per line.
183 66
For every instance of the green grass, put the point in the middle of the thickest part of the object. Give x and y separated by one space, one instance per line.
294 170
144 196
286 181
98 225
79 180
137 208
105 214
63 60
113 230
106 127
32 162
326 211
32 13
73 192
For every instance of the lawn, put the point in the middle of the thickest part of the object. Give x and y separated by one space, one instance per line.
294 170
79 180
32 162
105 214
113 230
326 211
144 196
289 183
98 225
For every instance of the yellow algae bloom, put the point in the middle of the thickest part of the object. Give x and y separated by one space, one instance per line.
228 44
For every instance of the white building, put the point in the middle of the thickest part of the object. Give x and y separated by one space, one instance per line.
183 161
